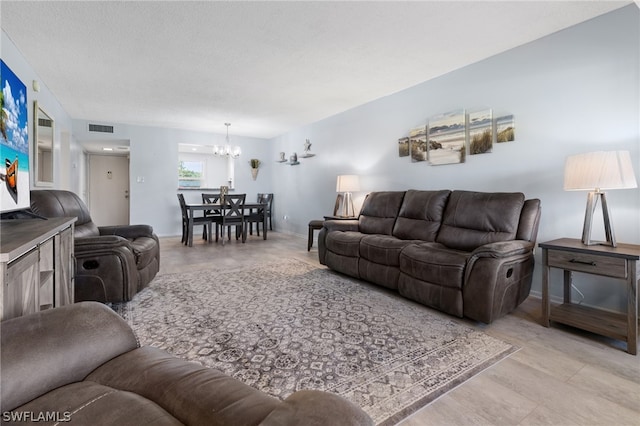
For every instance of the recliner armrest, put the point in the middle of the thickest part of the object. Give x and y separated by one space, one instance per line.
127 231
503 249
106 242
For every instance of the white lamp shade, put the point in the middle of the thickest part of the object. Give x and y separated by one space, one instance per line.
599 170
348 183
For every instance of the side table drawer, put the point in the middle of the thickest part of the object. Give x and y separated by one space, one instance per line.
588 263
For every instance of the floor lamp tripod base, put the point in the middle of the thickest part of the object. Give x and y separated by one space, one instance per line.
592 202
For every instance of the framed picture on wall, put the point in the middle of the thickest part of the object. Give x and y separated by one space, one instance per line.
505 129
403 147
447 138
480 132
14 142
418 144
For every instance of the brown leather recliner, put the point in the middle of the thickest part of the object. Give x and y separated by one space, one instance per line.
113 263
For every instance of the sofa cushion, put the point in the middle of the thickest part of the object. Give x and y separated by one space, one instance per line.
472 219
194 394
434 263
420 215
87 402
379 212
383 249
344 243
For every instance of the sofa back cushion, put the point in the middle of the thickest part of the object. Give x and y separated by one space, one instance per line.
421 215
472 219
52 348
60 203
379 212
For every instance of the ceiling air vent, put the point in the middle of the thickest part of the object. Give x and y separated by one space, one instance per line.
100 128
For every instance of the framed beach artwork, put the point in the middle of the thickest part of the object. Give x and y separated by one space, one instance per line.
505 129
418 144
14 142
447 138
480 132
403 147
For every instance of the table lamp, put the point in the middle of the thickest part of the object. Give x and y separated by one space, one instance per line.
347 184
595 172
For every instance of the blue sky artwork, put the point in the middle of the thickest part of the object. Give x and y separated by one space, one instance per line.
15 119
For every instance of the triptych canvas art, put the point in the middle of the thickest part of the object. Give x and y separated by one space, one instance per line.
448 137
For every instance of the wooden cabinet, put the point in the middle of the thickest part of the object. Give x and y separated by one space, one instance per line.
621 262
36 265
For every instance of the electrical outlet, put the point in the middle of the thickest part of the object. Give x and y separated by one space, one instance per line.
285 217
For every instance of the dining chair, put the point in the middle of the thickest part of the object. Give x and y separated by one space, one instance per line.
210 199
187 226
267 198
232 214
257 216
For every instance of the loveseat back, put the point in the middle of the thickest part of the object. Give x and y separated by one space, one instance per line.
420 215
379 212
59 203
472 219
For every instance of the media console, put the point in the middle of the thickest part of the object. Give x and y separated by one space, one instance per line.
36 265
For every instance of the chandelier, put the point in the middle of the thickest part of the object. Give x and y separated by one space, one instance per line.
227 150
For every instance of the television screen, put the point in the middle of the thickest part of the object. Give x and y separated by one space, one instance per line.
14 142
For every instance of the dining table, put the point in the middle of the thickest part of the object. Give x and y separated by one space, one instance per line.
248 207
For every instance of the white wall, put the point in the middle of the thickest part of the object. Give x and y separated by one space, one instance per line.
571 92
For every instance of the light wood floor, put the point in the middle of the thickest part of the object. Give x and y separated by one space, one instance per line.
560 376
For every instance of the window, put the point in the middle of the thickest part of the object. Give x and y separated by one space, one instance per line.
199 168
190 174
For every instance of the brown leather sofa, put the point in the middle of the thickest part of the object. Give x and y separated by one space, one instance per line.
113 263
465 253
82 364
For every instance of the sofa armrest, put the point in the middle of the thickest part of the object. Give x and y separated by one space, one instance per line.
127 231
106 242
497 279
342 225
55 347
503 249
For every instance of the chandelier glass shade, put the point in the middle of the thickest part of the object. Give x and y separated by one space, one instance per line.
227 150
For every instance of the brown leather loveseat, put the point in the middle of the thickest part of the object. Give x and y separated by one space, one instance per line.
465 253
113 263
81 364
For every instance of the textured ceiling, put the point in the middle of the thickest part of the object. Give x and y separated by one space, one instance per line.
266 67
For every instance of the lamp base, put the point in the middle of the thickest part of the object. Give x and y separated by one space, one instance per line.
592 202
344 205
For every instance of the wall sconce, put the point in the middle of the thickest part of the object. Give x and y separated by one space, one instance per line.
594 172
347 184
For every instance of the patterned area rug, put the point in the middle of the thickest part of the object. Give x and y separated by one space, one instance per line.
290 325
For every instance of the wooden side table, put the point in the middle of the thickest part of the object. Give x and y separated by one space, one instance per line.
620 262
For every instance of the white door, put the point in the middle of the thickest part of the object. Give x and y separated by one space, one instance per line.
109 189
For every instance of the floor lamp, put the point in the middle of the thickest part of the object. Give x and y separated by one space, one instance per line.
347 184
595 172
